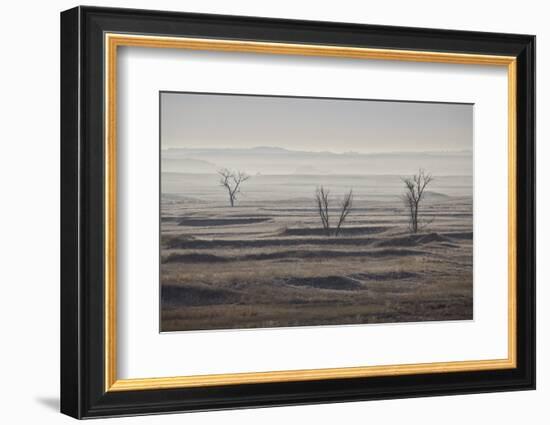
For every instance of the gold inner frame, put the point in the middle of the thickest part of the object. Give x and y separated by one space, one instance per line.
113 41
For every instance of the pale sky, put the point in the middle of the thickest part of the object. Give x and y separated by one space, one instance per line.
194 120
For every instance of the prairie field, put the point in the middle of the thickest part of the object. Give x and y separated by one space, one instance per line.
268 262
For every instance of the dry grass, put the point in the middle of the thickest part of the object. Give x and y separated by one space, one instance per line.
267 264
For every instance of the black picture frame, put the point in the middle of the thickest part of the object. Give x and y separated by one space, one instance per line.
83 392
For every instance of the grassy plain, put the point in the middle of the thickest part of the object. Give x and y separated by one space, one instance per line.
267 262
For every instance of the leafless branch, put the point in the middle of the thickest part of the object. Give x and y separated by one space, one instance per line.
232 181
322 203
321 198
415 187
346 206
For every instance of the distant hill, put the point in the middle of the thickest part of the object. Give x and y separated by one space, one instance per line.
186 165
275 160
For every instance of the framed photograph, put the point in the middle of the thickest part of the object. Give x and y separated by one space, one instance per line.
261 212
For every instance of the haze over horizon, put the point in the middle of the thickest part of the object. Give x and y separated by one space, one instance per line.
196 120
277 160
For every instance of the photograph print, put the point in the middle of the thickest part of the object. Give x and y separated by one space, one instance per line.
280 211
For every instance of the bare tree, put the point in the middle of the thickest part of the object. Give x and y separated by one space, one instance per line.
321 197
346 206
232 181
322 201
414 193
